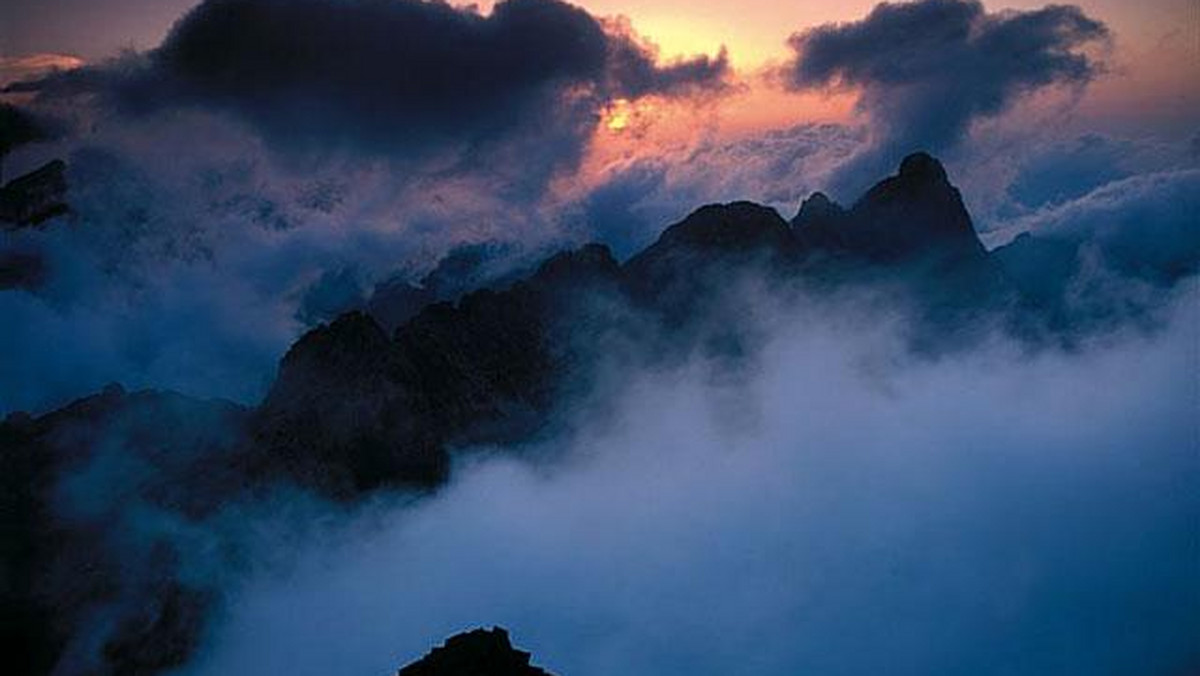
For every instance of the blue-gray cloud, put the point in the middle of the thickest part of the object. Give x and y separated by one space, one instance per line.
926 70
823 514
1070 170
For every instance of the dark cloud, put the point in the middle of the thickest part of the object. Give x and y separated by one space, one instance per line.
400 77
926 70
635 72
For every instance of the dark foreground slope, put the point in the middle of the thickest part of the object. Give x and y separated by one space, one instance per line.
105 500
72 488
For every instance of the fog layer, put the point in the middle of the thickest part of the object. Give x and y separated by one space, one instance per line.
836 507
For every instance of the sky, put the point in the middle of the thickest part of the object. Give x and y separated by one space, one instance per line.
1153 84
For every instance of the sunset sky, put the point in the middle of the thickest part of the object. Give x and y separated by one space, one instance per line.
1153 83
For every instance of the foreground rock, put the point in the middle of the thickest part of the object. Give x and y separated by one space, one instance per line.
481 652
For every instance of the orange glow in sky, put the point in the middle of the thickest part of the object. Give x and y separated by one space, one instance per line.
1154 68
1154 75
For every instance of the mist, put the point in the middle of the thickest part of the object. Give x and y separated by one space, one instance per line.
835 505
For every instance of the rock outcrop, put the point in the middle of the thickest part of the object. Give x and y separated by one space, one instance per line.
34 198
353 409
481 652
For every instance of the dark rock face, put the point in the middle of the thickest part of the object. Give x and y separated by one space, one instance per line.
703 255
60 561
915 214
480 652
29 201
336 405
718 232
353 409
913 224
818 216
913 232
36 197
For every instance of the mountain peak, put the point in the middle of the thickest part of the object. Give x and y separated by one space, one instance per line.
923 166
481 652
736 225
915 213
817 208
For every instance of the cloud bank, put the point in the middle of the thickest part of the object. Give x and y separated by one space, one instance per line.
839 508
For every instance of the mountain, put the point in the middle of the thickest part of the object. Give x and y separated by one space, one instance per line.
74 487
369 402
706 252
916 214
353 409
481 652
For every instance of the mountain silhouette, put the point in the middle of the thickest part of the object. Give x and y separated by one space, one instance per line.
480 652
